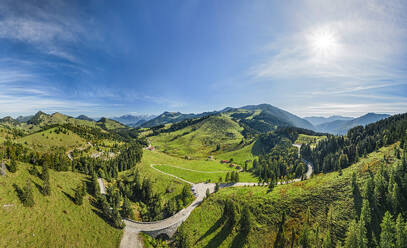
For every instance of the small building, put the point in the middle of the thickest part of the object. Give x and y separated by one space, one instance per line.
224 161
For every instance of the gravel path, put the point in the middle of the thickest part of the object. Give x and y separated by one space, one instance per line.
101 186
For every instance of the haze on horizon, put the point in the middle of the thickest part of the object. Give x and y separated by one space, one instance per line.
310 57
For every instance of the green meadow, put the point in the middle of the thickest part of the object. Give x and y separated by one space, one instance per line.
54 221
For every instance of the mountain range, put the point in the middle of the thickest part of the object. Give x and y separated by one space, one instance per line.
262 118
342 126
133 120
318 120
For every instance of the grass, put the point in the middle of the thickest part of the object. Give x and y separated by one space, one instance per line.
239 156
54 221
168 186
206 228
181 168
200 140
197 177
305 139
48 139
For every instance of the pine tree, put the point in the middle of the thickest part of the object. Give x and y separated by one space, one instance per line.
28 197
127 210
396 197
78 196
362 234
46 188
357 198
304 239
227 178
245 220
401 232
44 173
280 239
327 242
186 195
317 239
13 166
352 236
216 187
116 218
366 219
95 185
387 237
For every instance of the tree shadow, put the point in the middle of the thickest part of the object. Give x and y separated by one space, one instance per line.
19 192
69 196
240 240
213 228
221 236
89 187
103 217
39 187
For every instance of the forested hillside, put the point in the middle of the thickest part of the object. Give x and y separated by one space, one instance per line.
360 204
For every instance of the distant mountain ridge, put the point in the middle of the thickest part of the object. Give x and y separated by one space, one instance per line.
172 117
282 115
342 126
318 120
85 118
133 120
264 117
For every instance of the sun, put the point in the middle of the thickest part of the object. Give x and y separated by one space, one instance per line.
323 43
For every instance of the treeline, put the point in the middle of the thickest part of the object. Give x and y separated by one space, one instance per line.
177 126
56 160
338 152
283 135
127 159
152 206
281 163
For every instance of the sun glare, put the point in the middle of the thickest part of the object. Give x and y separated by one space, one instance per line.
323 44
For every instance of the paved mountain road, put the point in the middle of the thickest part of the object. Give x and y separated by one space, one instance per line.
133 228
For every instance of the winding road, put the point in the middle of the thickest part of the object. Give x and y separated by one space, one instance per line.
168 226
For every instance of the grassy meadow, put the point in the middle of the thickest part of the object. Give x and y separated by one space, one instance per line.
201 139
47 139
202 169
54 221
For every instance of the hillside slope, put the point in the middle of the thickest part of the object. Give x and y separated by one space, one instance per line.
172 117
54 221
208 227
281 115
257 114
202 138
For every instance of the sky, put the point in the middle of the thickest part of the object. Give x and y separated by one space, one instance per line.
108 58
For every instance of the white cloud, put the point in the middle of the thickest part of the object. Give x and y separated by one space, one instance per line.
349 109
367 44
47 26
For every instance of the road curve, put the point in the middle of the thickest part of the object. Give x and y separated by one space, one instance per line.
132 229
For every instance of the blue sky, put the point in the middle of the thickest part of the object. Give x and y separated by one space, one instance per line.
107 58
